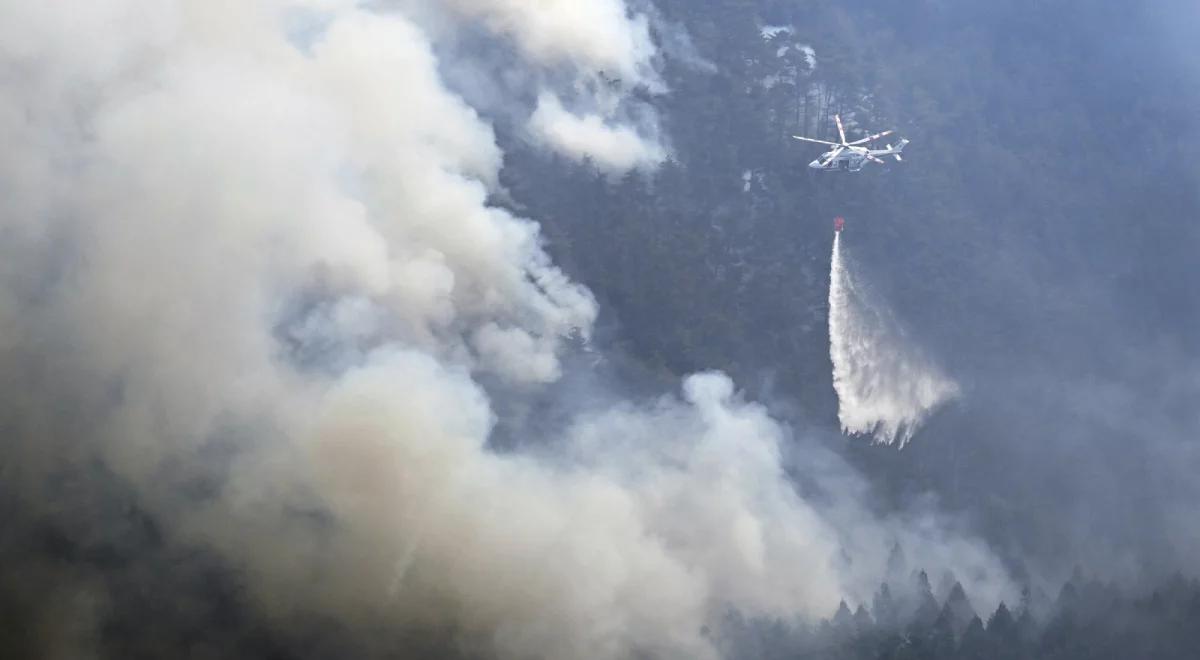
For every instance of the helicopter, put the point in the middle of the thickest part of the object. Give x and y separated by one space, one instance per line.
850 156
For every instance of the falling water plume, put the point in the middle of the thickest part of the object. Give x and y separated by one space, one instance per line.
885 386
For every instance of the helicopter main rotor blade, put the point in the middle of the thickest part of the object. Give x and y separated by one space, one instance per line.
832 144
872 137
841 131
874 159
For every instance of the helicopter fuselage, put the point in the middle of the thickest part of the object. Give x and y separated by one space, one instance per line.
847 161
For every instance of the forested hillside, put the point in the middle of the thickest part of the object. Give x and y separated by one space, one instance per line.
1037 239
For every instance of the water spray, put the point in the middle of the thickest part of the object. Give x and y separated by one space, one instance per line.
885 386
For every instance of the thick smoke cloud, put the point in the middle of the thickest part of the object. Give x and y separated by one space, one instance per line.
597 35
253 273
574 66
614 148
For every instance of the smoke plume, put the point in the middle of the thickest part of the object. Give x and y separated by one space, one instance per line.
579 62
616 149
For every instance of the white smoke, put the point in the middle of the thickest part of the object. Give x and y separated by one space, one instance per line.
591 54
217 233
600 36
614 149
885 386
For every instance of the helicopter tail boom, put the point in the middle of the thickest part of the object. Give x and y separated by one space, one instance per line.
895 150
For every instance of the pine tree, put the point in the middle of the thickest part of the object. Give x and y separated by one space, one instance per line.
1001 626
863 623
1004 640
975 643
926 611
884 608
843 622
1027 628
958 608
941 636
